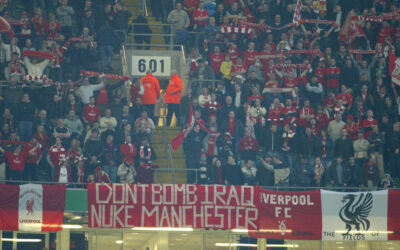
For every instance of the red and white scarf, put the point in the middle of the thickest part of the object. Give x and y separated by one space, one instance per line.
141 152
242 29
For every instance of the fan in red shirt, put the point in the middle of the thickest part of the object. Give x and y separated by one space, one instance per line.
200 16
16 161
290 81
33 159
233 53
322 118
91 112
128 150
248 147
345 96
101 176
249 56
54 28
238 68
351 127
39 23
290 113
190 6
216 60
212 105
368 123
276 109
332 75
56 154
306 113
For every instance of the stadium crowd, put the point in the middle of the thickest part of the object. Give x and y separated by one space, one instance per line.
282 94
300 95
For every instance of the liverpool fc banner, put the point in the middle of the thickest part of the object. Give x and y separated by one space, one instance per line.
32 207
307 215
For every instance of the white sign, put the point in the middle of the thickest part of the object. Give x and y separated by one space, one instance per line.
354 216
160 65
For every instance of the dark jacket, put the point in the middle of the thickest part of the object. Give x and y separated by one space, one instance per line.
333 174
239 129
232 174
193 142
376 142
264 176
344 147
111 153
93 148
303 174
25 111
107 36
273 141
309 146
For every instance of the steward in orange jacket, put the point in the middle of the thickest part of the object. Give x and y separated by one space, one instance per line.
151 89
173 97
174 90
151 93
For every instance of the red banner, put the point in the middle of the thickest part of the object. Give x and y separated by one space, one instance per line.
393 223
308 215
169 205
285 214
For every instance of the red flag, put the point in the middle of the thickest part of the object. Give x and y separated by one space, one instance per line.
179 138
297 13
6 28
32 207
394 68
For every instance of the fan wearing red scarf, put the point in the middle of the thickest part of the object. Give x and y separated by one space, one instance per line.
15 68
146 152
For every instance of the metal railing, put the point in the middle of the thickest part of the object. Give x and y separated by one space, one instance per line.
162 171
168 31
200 83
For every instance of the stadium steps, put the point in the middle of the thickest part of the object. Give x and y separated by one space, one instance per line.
178 158
133 6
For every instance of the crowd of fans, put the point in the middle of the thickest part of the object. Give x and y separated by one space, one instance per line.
274 103
284 104
59 123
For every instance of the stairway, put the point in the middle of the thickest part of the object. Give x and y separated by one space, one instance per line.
133 6
178 158
177 163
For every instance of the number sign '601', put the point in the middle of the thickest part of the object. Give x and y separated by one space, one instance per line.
159 65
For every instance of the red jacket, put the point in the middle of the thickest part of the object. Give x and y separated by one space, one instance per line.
175 85
102 97
32 159
248 142
16 162
151 89
332 74
128 153
91 113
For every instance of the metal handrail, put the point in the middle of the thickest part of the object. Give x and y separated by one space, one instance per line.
172 162
76 185
155 45
144 7
152 24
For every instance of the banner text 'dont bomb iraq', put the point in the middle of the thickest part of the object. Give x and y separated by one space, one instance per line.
169 205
